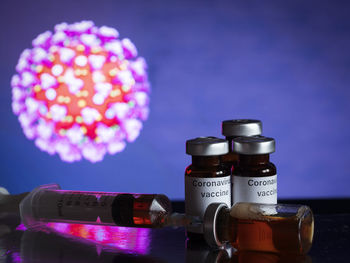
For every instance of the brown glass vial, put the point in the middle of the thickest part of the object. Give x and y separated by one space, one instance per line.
283 229
255 177
207 180
232 129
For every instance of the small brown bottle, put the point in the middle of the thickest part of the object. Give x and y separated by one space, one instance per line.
284 229
207 180
232 129
255 177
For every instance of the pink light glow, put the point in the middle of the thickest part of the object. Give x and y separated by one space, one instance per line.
135 240
21 227
81 92
16 257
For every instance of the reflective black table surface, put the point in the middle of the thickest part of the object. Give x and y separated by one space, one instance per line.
86 243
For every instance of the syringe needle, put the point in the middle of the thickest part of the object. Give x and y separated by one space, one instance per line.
181 220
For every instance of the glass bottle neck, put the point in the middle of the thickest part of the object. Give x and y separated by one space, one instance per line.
254 159
230 139
224 230
205 161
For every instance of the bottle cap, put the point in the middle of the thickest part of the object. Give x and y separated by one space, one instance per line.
206 146
4 191
253 145
242 127
209 224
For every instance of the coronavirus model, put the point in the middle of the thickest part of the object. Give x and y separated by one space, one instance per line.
81 91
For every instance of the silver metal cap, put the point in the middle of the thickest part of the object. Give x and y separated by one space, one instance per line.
206 146
241 127
209 224
253 145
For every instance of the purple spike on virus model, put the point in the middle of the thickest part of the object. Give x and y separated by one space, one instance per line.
81 91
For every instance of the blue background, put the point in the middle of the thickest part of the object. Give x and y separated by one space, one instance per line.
284 62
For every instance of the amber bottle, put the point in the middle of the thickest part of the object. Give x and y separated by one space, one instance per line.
232 129
255 177
276 228
207 180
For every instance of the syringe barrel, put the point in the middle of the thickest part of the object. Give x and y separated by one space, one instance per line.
49 203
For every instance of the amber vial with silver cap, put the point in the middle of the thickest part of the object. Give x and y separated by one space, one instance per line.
207 180
255 177
285 229
236 128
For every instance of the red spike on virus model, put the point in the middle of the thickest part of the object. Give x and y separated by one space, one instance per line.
81 91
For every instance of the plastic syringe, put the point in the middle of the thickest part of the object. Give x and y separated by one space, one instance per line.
48 203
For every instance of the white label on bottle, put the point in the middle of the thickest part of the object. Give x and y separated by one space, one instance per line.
201 192
255 189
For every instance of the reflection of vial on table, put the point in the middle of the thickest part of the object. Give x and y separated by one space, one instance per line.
200 251
232 129
207 180
50 204
255 177
263 257
260 227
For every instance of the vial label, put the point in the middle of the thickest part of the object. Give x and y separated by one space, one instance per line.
255 189
201 192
